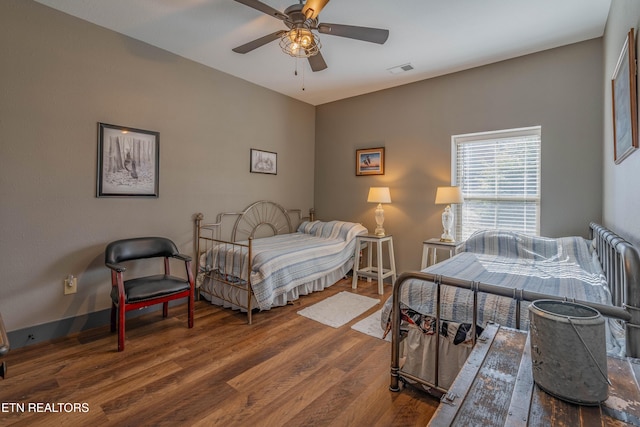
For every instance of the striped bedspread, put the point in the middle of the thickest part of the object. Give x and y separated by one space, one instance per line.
283 262
562 267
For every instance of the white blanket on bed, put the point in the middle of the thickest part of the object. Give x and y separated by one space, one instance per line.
283 262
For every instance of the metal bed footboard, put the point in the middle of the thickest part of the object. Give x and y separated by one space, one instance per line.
208 236
620 262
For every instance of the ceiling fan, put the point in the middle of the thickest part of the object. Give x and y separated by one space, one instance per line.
300 40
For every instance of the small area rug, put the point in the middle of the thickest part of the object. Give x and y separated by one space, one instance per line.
371 326
339 309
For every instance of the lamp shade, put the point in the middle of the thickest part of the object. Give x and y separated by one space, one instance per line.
379 195
448 195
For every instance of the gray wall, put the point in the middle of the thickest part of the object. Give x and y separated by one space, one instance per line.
59 77
559 89
621 182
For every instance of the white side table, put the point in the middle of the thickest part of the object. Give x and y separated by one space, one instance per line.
430 248
369 271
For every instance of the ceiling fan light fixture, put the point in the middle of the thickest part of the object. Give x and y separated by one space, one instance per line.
300 39
300 42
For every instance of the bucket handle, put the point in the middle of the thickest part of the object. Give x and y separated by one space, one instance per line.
606 378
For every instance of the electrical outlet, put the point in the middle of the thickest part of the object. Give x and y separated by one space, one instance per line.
70 285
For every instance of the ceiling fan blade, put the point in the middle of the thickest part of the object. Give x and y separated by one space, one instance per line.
248 47
317 62
373 35
312 8
264 8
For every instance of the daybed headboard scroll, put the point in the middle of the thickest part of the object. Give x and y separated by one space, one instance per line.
260 219
264 218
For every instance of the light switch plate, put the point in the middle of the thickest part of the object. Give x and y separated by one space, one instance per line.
70 286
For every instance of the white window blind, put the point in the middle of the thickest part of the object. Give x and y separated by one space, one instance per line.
499 175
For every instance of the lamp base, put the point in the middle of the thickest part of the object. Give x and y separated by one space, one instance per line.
447 224
379 220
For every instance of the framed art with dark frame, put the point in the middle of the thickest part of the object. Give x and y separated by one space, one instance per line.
624 102
128 162
261 161
370 161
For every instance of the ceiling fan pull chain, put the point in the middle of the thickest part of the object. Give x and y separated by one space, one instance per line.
295 72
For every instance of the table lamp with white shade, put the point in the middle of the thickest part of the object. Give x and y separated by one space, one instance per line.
448 196
379 195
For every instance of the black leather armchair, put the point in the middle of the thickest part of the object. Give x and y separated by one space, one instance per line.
135 293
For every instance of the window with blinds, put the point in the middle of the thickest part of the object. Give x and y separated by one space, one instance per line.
499 175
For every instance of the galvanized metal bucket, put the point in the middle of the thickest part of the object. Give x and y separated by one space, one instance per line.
568 351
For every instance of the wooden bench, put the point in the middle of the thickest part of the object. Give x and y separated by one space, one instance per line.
495 388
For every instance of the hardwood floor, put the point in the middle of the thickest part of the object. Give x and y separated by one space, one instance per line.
284 369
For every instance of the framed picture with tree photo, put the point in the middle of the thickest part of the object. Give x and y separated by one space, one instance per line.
128 161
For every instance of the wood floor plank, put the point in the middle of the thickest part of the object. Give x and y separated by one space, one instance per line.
288 405
271 369
284 369
350 391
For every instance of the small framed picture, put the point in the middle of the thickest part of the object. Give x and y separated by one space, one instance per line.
370 161
263 162
128 161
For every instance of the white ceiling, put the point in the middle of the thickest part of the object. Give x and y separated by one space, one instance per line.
435 36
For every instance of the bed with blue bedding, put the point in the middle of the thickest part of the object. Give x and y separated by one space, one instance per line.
271 271
516 264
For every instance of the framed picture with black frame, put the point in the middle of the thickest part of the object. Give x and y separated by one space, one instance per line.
261 161
128 162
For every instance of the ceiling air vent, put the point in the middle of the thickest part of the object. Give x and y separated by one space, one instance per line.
400 69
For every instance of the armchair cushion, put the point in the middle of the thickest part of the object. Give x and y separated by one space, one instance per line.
150 287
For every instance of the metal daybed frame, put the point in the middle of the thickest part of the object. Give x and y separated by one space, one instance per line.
621 265
260 219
